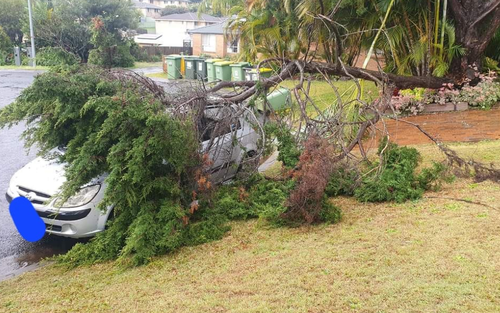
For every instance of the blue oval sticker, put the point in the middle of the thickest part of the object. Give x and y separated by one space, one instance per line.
28 223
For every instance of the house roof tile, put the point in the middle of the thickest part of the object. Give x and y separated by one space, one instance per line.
190 16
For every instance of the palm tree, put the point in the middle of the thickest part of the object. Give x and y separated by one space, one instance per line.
220 7
416 40
267 28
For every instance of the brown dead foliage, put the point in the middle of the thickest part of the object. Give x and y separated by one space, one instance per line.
312 174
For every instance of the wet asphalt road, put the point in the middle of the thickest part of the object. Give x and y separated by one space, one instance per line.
16 254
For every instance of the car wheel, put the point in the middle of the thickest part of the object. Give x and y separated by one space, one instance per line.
110 219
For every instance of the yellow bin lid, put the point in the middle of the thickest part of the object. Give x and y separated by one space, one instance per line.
214 60
224 63
262 70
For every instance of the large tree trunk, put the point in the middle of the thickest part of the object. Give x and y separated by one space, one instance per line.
399 81
294 67
476 22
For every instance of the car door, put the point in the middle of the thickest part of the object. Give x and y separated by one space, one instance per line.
220 137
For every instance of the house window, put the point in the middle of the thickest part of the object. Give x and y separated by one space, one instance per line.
208 43
233 46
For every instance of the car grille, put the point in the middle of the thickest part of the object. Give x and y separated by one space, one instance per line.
53 227
39 198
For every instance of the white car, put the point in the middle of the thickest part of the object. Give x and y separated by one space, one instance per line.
41 180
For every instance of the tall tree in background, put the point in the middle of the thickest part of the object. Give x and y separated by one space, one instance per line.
476 22
267 28
12 14
67 24
221 7
493 49
420 38
5 46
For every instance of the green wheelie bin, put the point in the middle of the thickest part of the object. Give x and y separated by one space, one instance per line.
238 71
174 66
201 69
211 69
190 67
278 100
251 74
223 70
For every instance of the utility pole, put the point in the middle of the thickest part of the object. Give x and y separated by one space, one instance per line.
32 35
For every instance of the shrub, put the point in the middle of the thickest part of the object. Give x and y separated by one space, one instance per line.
115 56
268 199
482 92
409 101
433 178
54 56
171 9
5 58
5 42
138 54
484 95
109 51
155 58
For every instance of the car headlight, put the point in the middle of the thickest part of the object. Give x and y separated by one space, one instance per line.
82 197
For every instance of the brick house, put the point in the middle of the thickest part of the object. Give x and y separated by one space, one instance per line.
147 9
164 3
212 40
174 28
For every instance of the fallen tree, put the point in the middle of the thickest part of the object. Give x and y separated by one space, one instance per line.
291 68
147 139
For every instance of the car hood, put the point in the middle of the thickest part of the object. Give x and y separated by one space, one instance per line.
46 175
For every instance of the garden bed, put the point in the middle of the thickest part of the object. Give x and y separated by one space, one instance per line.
447 107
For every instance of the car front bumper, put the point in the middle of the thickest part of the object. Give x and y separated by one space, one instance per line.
81 222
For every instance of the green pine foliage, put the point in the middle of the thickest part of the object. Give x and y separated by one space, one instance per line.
343 182
255 198
289 152
398 179
112 126
330 213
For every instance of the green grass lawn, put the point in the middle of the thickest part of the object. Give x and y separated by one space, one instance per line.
324 95
432 255
157 75
146 64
